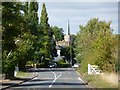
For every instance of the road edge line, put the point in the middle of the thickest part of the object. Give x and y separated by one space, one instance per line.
80 78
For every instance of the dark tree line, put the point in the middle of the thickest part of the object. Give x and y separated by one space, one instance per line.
23 37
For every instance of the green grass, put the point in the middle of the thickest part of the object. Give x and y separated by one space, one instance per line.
22 74
96 81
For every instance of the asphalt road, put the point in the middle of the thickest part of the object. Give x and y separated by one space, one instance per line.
54 78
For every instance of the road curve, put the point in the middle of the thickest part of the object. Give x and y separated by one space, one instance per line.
54 78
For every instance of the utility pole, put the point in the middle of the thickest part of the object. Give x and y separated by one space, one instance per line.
70 53
70 42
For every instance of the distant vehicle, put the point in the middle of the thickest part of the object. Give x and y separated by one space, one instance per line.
52 65
76 65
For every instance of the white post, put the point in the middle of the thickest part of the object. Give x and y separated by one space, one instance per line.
89 69
15 71
58 52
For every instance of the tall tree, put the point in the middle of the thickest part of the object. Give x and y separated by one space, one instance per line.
11 29
25 49
95 45
33 17
25 8
29 38
58 33
46 31
48 49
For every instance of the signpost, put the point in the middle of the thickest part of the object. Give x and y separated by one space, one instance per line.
93 69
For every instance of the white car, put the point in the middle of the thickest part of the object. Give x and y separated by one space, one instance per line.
51 66
76 65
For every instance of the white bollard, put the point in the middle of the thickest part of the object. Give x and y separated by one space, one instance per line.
15 71
89 69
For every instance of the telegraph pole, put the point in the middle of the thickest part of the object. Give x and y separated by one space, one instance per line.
70 43
70 53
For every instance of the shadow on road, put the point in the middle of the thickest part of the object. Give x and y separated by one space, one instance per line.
38 80
48 83
14 81
50 69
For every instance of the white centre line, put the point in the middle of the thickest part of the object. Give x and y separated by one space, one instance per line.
54 75
55 78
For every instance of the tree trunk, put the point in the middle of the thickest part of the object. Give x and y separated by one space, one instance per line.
10 74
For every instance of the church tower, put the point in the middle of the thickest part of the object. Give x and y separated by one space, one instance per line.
67 36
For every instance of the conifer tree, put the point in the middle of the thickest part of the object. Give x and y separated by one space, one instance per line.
44 20
48 42
33 17
45 29
26 8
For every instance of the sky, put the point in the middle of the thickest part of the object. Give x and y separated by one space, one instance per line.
79 13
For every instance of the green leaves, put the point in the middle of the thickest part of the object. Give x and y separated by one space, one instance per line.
46 32
18 26
95 44
58 33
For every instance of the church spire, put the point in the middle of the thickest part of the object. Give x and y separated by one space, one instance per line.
68 28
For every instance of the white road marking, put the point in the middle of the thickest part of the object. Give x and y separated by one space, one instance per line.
36 73
50 86
82 81
78 73
36 78
59 75
55 78
54 75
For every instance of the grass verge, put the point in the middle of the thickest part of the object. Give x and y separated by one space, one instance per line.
98 81
23 74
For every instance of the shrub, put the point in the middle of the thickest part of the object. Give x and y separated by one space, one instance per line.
28 63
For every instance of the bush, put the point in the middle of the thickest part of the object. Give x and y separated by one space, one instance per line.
62 64
28 63
41 65
61 61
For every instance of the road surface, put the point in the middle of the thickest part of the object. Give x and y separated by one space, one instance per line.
54 78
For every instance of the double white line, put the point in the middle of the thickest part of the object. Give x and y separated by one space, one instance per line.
56 77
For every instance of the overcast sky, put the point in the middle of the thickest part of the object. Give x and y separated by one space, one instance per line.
79 13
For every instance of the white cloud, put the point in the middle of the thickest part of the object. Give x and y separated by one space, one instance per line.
80 14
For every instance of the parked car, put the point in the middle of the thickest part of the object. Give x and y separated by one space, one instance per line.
76 65
52 65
